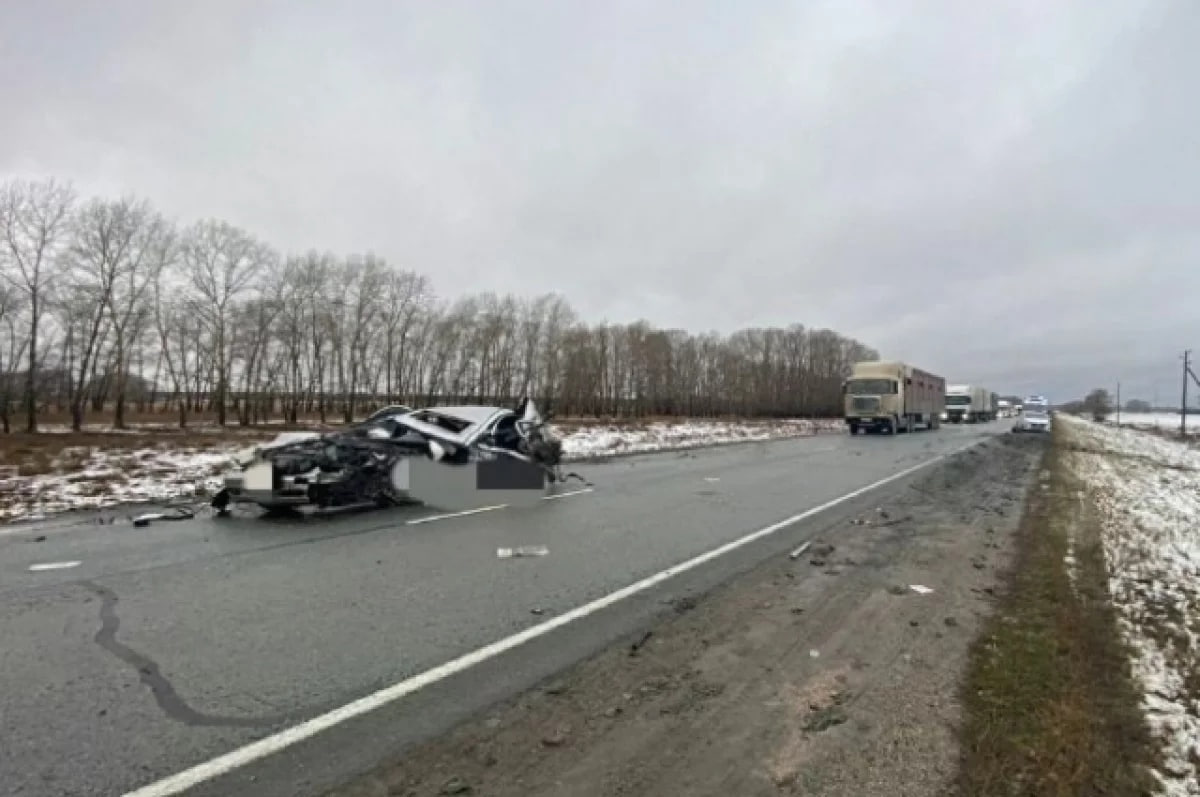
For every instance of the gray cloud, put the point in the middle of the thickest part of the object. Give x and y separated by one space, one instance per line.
1003 193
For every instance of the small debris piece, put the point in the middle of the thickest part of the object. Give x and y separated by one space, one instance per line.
815 562
951 622
525 550
456 785
537 611
919 589
814 653
914 623
556 739
642 640
796 553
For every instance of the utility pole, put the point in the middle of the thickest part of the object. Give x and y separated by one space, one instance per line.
1187 372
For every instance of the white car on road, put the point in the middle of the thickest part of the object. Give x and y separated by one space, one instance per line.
1032 420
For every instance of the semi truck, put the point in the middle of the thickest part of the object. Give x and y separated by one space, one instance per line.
968 404
889 397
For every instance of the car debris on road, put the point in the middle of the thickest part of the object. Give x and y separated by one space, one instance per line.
388 459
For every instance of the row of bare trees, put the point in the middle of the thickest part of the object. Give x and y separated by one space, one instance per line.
106 305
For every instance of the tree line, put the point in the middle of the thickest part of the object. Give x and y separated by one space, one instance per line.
107 306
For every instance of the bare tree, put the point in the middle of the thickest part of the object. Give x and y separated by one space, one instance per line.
34 221
221 263
13 340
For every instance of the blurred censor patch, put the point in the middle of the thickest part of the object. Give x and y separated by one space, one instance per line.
455 487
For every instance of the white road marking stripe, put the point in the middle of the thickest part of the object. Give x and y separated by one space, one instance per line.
224 764
567 495
55 565
464 513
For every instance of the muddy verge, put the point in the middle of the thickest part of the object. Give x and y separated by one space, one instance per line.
835 672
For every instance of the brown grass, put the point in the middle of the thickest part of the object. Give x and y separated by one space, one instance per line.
37 454
1051 707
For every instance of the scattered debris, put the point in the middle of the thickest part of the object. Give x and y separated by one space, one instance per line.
683 604
537 611
814 653
796 553
919 589
951 622
640 643
825 717
55 565
456 785
525 550
178 513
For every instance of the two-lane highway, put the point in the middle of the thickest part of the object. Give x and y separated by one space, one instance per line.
148 651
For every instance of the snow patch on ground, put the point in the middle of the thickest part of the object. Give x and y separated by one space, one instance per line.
1148 491
90 477
601 440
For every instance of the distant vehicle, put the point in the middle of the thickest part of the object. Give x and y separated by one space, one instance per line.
1037 402
1033 420
1004 408
968 404
889 397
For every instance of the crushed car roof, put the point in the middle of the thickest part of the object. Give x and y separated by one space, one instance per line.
473 414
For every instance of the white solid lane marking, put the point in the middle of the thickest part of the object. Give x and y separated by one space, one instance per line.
464 513
55 565
223 764
567 495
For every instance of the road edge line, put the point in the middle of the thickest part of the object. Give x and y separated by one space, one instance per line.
254 751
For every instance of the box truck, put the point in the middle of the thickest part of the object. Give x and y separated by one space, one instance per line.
968 404
890 397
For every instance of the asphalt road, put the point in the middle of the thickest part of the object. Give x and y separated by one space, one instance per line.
170 645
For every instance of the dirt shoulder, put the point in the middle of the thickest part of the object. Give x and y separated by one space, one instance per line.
1052 710
829 674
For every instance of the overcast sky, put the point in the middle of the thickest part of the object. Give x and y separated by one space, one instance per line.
1003 193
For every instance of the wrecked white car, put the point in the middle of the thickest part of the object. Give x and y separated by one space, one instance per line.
399 457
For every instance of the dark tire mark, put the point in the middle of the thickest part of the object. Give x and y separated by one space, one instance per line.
151 675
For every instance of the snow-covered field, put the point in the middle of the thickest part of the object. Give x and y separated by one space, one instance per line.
90 477
1148 491
1154 420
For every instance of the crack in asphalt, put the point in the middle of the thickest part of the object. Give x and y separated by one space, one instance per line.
174 706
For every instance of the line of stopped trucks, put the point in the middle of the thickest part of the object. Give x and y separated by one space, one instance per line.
889 397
